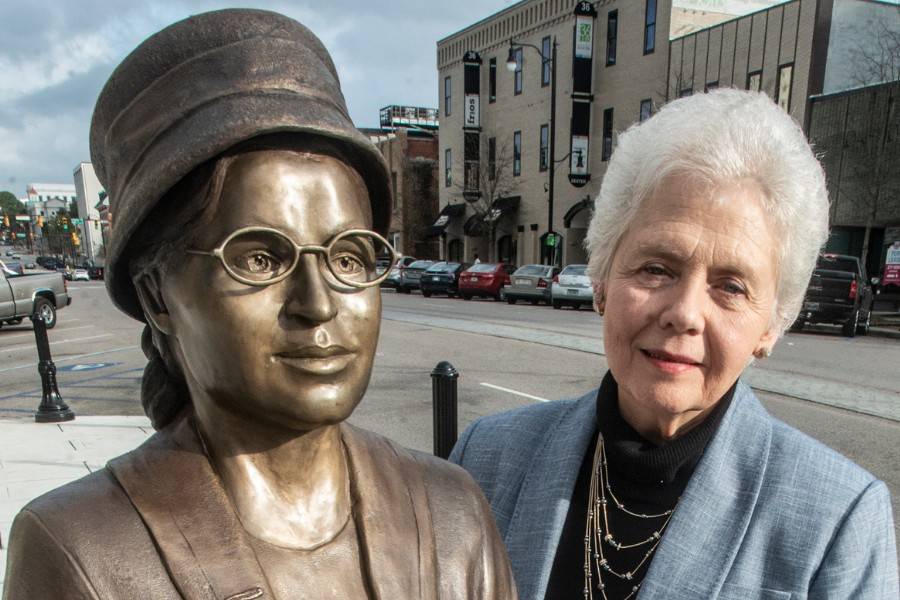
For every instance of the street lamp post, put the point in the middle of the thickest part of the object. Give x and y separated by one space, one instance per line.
511 65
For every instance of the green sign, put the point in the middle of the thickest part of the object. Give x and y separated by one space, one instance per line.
551 240
21 236
78 221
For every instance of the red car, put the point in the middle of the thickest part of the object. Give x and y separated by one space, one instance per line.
484 279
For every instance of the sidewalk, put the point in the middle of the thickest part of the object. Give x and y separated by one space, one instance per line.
37 457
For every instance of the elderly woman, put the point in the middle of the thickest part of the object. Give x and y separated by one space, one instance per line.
672 481
244 203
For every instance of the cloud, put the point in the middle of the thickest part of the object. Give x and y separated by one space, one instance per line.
56 55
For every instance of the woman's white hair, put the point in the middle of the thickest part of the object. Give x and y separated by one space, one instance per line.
721 136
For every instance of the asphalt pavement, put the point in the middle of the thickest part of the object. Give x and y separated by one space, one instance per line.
507 356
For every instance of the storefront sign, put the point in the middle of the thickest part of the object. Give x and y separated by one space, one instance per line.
584 36
472 117
892 265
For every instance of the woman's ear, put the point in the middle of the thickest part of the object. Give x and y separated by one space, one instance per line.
151 298
599 297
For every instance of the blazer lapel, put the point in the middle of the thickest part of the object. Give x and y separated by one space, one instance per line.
543 501
705 533
390 507
174 488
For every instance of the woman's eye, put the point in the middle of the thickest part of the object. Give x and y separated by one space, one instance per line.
258 262
733 288
655 270
346 264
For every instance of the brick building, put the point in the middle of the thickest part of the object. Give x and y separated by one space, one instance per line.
617 62
408 140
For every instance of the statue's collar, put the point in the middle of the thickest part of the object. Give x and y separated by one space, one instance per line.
173 486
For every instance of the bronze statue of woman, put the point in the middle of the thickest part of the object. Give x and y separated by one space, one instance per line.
246 214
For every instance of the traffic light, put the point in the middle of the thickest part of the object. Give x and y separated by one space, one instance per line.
65 224
75 240
40 221
6 220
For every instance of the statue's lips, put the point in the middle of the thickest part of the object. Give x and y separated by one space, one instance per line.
317 360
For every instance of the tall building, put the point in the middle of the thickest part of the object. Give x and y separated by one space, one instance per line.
89 192
617 62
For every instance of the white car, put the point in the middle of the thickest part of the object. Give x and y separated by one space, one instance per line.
81 275
572 287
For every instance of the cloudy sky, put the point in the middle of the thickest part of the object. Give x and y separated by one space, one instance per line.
55 56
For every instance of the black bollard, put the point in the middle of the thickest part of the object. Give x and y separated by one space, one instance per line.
443 397
52 408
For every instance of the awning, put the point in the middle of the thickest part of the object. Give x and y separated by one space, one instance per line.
586 204
443 220
504 206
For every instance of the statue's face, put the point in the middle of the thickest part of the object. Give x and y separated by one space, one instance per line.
297 352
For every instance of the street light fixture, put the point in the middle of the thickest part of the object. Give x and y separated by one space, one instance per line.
512 63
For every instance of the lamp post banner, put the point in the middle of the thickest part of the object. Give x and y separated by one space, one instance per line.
472 112
584 36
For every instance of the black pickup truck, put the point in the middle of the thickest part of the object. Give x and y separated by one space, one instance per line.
838 293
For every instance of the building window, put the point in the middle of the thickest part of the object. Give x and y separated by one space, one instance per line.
447 96
517 153
448 166
612 33
517 74
785 75
606 151
492 80
545 147
650 27
545 61
646 109
754 81
492 158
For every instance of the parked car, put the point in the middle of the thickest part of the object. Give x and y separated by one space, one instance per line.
532 283
572 287
30 265
442 278
80 275
393 279
26 295
838 293
485 279
409 277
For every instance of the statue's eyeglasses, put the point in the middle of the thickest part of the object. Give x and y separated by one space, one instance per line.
261 256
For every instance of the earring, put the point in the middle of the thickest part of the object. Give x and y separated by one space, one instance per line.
763 352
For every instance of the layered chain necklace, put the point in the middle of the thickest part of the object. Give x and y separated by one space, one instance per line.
597 531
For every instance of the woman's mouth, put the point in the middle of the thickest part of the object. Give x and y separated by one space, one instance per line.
670 363
315 360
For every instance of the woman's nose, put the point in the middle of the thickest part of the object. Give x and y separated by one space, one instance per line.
308 295
684 310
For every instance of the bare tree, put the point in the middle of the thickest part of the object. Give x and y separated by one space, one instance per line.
875 51
494 180
868 168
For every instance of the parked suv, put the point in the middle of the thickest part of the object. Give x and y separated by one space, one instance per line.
838 293
393 279
485 279
532 283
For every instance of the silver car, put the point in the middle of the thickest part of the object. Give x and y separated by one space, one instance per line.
572 287
530 282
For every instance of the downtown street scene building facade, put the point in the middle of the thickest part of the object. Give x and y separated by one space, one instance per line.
518 185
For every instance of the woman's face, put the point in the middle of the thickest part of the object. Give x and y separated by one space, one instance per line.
298 352
688 300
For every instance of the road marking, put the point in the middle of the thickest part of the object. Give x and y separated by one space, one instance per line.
68 358
31 335
56 343
509 391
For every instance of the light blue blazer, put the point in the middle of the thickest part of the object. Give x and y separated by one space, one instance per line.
768 514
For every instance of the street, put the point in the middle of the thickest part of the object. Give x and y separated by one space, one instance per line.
507 356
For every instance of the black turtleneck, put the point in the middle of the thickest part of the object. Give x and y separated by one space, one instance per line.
645 477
